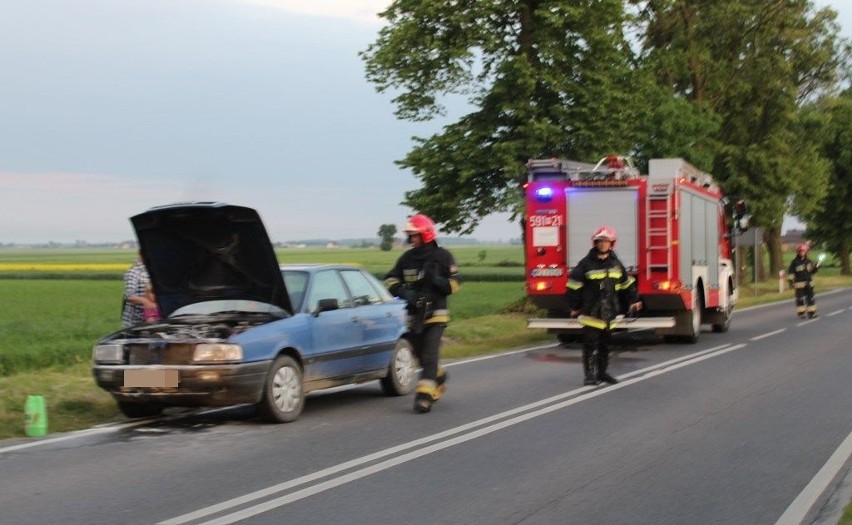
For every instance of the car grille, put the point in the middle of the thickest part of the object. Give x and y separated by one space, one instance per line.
160 354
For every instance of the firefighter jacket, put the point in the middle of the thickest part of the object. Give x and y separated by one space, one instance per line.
601 289
424 277
800 271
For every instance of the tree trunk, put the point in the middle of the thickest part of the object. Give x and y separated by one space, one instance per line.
772 238
844 258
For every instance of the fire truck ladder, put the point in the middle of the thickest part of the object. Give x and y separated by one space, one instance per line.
658 238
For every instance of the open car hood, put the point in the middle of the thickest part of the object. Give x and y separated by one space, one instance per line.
206 251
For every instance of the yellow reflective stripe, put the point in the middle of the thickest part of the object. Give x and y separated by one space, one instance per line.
454 285
626 284
390 281
592 322
574 285
603 274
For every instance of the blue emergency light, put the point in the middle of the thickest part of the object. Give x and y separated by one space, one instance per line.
544 193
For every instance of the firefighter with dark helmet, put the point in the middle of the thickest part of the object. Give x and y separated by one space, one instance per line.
599 289
424 276
800 275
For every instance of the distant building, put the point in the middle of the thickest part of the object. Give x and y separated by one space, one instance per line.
791 239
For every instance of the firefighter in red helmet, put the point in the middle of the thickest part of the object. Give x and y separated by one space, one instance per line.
424 276
599 288
800 275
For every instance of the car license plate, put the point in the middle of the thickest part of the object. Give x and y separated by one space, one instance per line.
151 378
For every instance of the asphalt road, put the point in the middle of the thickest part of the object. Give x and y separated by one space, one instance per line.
752 426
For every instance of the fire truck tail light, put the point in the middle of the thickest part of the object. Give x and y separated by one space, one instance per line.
668 286
541 286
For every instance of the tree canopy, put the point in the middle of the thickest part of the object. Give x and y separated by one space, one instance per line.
720 83
543 79
830 223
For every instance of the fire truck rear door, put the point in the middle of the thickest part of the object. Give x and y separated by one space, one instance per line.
590 208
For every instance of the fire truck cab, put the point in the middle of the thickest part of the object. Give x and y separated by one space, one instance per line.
671 232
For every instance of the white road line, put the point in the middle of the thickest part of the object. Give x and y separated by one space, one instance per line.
832 314
809 321
75 435
590 392
764 336
800 507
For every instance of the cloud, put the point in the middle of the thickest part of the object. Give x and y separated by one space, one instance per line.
359 10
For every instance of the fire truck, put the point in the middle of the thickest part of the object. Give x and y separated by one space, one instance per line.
672 239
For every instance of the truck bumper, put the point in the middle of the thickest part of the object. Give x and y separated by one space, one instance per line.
628 323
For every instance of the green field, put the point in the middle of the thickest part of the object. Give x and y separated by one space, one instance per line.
49 319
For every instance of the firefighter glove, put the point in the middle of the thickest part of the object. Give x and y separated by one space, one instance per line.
406 294
432 278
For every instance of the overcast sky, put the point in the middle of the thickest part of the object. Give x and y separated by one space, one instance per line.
110 107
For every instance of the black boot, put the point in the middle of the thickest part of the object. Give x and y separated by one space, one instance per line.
603 363
441 380
425 396
589 369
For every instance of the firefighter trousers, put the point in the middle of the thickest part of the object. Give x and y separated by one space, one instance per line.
427 348
805 302
595 339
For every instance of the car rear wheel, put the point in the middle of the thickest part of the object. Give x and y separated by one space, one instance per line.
283 393
136 410
400 378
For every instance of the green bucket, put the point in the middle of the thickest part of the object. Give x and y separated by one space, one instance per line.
35 416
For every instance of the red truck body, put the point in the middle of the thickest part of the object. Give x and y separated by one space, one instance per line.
672 238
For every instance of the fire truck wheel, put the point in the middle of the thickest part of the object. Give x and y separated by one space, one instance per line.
724 325
695 319
688 324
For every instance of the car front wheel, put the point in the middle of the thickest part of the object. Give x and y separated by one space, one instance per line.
283 393
400 378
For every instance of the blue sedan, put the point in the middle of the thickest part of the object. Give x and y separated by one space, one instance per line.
238 328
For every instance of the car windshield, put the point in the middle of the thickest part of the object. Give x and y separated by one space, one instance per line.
229 305
296 282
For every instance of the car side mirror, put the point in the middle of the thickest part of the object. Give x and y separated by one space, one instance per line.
324 305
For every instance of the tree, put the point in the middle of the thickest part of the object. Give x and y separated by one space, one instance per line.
543 78
386 233
830 223
752 63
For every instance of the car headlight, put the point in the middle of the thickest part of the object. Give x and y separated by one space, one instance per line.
108 354
216 352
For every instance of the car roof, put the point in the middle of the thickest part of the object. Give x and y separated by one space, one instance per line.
313 267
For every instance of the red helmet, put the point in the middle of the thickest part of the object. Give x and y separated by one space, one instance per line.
802 248
604 233
421 224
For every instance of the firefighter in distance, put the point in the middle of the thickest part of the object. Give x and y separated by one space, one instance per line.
800 275
597 288
424 276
